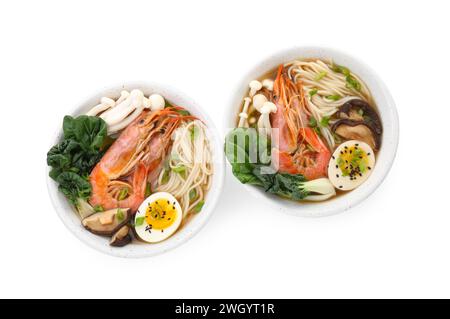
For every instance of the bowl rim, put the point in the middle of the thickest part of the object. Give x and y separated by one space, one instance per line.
184 235
295 208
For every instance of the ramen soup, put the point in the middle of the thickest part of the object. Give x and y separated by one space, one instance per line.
307 130
134 167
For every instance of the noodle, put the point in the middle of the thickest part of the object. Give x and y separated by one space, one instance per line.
330 84
191 153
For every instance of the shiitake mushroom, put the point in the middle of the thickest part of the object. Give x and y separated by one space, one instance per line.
108 222
121 237
359 121
357 130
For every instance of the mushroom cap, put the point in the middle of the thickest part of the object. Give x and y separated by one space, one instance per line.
268 84
157 102
255 85
258 101
357 130
123 95
107 101
108 222
121 237
370 115
268 107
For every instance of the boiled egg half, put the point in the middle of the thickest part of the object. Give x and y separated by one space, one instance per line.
158 217
351 165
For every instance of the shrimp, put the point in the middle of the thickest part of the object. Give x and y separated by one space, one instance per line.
297 148
120 178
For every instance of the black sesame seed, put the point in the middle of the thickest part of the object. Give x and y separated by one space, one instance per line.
340 186
337 175
368 167
368 154
333 157
337 166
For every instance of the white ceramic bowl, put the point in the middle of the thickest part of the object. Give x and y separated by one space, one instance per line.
137 249
387 111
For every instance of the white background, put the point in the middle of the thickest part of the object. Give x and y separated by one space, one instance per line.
395 244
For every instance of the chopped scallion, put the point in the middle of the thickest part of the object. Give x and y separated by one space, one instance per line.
179 169
324 121
334 97
312 122
148 190
139 221
199 206
320 76
98 208
313 92
120 215
123 194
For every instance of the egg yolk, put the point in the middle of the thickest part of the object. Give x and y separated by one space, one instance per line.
353 161
160 214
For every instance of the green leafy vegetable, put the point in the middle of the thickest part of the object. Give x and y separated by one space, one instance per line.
244 148
83 145
73 186
238 151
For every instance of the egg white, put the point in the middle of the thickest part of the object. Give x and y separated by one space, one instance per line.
154 235
335 174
